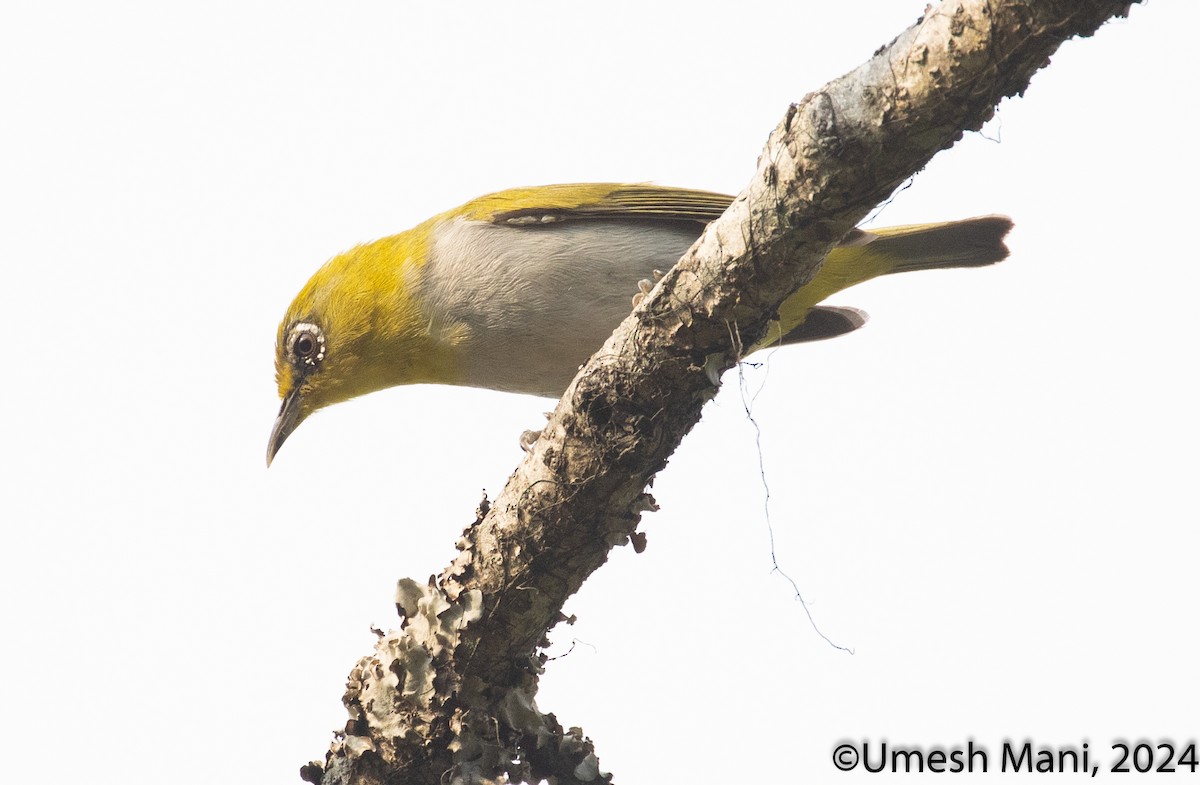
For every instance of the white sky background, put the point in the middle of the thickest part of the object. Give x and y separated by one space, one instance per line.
989 492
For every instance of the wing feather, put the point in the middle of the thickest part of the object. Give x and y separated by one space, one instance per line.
557 203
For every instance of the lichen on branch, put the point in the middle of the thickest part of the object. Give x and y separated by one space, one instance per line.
450 696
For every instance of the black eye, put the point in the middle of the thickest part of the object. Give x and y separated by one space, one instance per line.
306 344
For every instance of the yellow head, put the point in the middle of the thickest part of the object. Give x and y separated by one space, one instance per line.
354 328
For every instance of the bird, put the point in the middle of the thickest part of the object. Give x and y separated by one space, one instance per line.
514 290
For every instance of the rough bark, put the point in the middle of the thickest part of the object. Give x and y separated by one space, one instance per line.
449 697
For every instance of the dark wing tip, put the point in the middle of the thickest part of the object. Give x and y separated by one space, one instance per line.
826 321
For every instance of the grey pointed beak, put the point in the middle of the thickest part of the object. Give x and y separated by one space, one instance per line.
289 417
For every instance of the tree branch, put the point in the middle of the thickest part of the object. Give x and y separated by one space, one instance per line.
450 696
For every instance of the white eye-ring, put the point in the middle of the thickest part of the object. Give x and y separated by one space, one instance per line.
306 344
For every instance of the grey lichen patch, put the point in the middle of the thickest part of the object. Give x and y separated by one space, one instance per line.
395 695
519 711
431 617
410 700
393 685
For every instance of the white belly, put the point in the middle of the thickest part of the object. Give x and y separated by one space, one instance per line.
532 303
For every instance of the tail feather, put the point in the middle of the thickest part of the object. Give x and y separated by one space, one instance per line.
975 242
